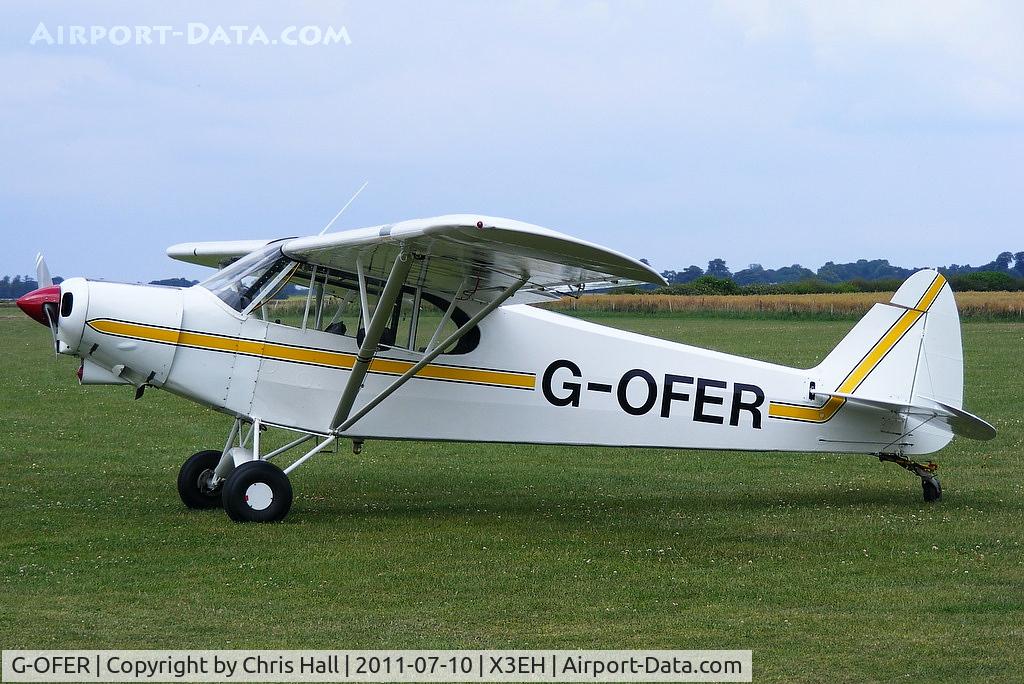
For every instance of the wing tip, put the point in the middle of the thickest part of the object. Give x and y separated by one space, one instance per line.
652 276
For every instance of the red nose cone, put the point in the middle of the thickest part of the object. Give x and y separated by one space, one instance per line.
32 303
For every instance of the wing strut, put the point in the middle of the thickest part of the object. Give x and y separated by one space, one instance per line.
344 424
374 329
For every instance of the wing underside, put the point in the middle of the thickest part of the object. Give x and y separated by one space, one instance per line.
452 252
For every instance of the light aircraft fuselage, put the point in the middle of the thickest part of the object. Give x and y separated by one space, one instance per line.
423 330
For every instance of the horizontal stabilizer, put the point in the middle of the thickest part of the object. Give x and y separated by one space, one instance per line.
958 421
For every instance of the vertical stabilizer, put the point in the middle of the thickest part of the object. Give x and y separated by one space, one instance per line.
889 350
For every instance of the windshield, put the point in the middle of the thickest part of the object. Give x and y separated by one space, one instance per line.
241 283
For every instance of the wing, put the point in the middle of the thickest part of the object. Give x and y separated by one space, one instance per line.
477 252
215 254
484 252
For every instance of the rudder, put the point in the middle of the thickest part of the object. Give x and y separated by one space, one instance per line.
884 355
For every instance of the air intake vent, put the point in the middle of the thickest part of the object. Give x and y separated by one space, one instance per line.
67 303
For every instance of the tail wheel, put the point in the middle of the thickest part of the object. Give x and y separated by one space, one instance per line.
194 480
926 471
257 491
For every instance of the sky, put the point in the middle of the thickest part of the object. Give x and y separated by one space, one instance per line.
775 132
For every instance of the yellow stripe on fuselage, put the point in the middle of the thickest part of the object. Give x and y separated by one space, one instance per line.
860 372
319 357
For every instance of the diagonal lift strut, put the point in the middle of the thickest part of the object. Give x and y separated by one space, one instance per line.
345 422
374 329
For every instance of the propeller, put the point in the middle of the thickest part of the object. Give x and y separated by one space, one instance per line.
42 272
44 280
51 319
42 303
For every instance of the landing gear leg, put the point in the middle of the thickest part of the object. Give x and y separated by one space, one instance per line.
930 485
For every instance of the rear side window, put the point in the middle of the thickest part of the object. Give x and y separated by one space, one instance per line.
329 301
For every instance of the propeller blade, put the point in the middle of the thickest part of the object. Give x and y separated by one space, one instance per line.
42 272
48 309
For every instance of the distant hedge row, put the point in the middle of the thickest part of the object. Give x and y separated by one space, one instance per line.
1006 306
979 281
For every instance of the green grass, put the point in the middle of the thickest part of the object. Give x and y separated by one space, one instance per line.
828 567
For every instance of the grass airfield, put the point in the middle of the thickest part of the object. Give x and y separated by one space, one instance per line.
828 567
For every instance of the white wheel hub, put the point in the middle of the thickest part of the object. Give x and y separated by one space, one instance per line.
259 496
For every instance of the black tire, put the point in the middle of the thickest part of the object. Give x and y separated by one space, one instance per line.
257 491
193 478
932 489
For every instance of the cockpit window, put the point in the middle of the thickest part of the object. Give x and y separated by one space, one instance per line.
316 298
329 300
245 281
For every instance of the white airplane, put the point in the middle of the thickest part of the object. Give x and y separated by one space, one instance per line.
421 330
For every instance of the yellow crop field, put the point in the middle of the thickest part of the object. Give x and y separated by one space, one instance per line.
971 304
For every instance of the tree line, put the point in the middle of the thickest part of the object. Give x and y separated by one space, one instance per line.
12 288
1005 272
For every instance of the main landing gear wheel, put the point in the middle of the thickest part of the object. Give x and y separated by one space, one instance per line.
257 491
194 480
